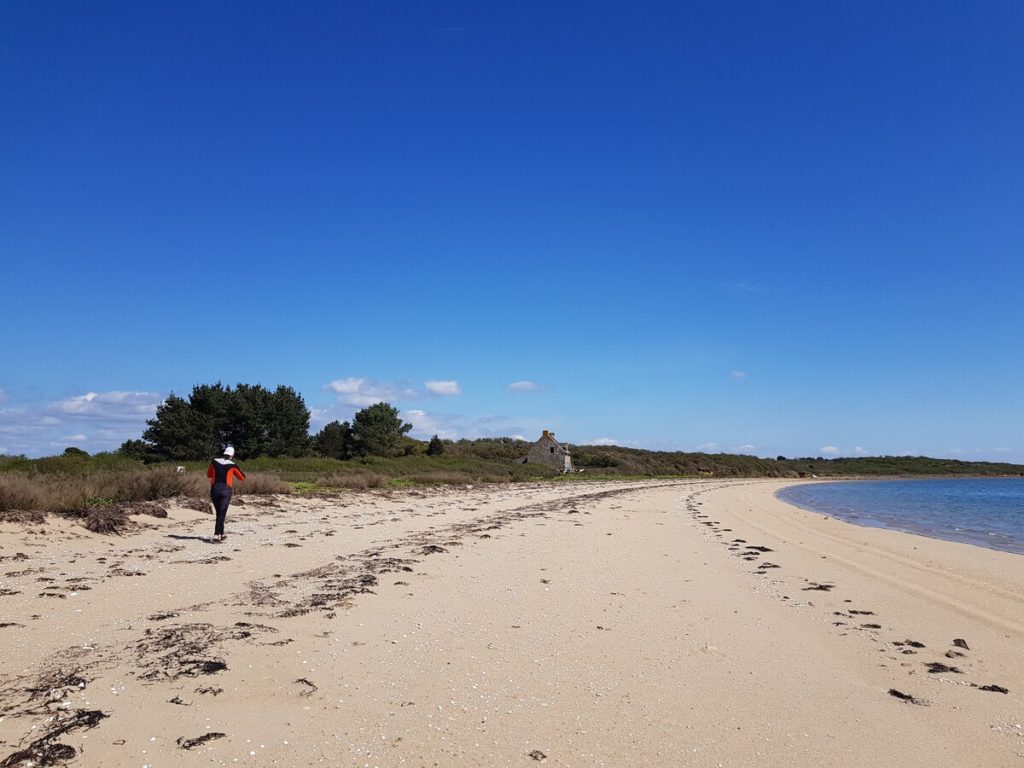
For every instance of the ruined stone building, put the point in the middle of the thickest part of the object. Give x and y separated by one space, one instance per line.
549 451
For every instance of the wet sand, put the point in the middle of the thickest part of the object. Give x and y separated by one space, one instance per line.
658 623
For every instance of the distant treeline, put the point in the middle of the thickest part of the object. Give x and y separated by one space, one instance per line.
499 460
272 426
614 460
634 461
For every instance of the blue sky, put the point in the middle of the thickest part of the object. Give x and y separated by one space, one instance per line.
771 228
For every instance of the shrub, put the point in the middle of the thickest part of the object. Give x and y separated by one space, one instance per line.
262 484
17 492
151 484
60 492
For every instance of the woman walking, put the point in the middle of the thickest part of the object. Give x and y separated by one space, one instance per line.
222 474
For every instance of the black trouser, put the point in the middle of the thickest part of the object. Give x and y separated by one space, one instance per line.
220 495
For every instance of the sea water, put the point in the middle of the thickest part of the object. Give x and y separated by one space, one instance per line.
986 512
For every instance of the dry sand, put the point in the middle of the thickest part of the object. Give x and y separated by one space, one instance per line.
576 624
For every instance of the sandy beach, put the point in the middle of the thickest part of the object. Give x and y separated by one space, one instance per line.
656 623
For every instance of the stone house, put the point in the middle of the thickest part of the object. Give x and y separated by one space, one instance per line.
549 451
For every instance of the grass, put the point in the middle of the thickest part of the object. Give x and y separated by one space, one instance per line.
100 490
354 481
257 484
102 481
106 488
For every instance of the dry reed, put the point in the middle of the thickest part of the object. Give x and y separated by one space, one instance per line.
28 491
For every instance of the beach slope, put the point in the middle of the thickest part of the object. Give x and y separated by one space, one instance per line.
657 623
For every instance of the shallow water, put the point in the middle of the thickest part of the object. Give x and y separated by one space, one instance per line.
986 512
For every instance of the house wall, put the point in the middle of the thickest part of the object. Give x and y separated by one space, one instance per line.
550 452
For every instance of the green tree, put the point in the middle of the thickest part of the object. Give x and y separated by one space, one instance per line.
256 421
334 440
259 422
246 425
137 450
73 451
378 431
435 447
181 432
287 424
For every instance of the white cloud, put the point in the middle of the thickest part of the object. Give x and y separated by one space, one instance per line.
14 429
320 416
829 450
104 419
737 374
443 388
426 425
363 392
347 386
604 441
859 451
455 426
524 386
707 447
746 447
108 406
77 404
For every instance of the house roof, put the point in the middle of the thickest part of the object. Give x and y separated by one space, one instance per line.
548 436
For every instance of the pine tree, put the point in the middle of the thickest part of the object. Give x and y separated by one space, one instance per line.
378 431
435 447
334 440
256 421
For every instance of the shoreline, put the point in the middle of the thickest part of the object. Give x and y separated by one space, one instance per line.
663 623
853 516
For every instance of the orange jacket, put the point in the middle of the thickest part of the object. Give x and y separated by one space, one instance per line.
224 472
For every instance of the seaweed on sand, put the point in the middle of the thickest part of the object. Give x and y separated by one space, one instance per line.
45 750
186 650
